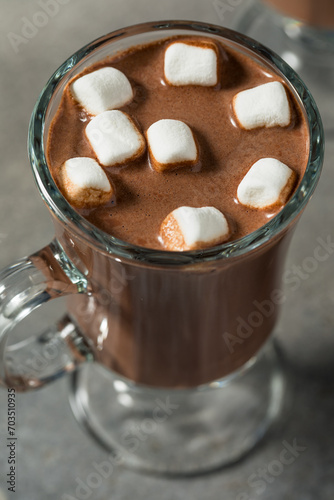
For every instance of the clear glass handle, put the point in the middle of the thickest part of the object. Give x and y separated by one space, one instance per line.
24 286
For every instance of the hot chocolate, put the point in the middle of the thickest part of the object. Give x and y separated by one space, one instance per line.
143 197
174 325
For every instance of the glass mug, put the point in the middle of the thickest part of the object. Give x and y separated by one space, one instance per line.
173 367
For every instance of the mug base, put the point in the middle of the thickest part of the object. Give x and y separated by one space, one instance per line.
180 431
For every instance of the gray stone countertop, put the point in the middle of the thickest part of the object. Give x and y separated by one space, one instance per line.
53 452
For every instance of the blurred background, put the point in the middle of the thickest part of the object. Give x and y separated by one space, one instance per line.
54 456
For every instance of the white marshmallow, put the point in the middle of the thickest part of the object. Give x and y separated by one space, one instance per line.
264 106
267 183
188 228
189 64
171 143
114 138
103 89
84 182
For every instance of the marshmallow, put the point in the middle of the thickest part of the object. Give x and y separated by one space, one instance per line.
190 64
264 106
85 183
115 138
268 182
106 88
188 228
171 143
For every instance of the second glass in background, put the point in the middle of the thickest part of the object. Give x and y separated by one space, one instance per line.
302 33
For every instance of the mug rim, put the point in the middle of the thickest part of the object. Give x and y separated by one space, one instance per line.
106 243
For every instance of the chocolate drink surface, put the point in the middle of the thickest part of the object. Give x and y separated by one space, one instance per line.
144 197
181 327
